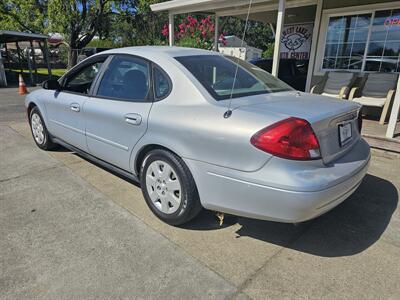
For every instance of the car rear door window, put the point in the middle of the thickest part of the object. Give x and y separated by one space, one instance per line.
126 78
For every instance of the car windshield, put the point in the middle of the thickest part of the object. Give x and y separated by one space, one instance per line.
216 73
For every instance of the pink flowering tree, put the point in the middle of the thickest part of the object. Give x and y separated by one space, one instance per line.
194 33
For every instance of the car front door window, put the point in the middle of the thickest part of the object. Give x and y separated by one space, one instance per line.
81 81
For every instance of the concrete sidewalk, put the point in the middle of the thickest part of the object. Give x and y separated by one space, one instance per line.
351 252
63 239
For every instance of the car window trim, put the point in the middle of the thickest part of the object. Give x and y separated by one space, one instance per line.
170 85
78 67
96 84
150 94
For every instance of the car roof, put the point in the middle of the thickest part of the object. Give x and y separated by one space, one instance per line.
164 51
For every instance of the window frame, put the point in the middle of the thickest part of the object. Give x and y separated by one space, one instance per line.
150 95
342 12
78 67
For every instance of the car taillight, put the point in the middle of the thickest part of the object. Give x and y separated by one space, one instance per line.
291 138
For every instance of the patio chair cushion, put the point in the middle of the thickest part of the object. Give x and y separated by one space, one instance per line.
331 95
379 84
337 80
371 101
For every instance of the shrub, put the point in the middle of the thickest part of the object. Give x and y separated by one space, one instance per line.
194 33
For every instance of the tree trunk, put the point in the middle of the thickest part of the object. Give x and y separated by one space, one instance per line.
72 57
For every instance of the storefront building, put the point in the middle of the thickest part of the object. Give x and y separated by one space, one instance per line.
357 36
361 39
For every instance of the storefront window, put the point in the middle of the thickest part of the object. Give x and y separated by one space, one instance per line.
364 42
346 40
383 49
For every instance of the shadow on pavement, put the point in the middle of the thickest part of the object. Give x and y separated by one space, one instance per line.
348 229
106 169
59 148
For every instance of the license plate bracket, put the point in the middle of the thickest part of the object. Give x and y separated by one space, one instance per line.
345 133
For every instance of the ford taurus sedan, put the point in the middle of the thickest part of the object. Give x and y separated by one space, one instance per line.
201 130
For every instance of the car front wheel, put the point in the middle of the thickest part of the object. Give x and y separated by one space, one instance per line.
169 188
39 131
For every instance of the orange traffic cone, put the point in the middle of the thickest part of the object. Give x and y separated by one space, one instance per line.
22 87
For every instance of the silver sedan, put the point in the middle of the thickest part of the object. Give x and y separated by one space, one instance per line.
201 130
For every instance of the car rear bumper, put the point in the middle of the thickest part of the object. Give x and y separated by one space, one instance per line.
282 190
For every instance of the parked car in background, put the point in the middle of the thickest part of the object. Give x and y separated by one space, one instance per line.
198 129
291 71
87 52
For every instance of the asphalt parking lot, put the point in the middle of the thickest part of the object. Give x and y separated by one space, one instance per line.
72 230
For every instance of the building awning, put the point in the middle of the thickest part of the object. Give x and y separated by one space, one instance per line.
9 36
225 7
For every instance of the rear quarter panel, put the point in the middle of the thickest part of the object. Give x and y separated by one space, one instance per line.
200 132
191 123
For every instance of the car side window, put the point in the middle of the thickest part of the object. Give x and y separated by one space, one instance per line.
81 81
126 78
162 85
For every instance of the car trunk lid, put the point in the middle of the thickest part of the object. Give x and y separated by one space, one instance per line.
329 118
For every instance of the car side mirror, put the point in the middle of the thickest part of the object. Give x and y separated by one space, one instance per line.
51 84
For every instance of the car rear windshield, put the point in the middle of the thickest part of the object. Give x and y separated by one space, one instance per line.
217 74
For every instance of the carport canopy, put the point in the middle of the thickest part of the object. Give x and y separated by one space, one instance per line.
9 36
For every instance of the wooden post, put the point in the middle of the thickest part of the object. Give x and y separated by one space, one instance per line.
46 54
314 40
171 29
30 67
19 57
34 61
216 31
6 49
395 112
280 20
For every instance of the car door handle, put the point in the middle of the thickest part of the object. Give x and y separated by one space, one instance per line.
74 107
133 119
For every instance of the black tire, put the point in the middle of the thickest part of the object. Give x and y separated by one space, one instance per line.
47 143
190 205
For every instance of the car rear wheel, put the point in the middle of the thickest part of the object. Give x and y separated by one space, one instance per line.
169 188
39 131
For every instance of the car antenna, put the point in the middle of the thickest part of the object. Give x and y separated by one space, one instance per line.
228 113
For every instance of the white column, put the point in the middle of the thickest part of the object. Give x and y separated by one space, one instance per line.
171 29
278 33
216 31
314 44
395 113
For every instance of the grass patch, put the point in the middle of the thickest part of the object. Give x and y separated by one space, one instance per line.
42 71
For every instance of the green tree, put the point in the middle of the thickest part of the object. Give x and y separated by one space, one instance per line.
258 34
269 52
78 21
139 25
23 15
